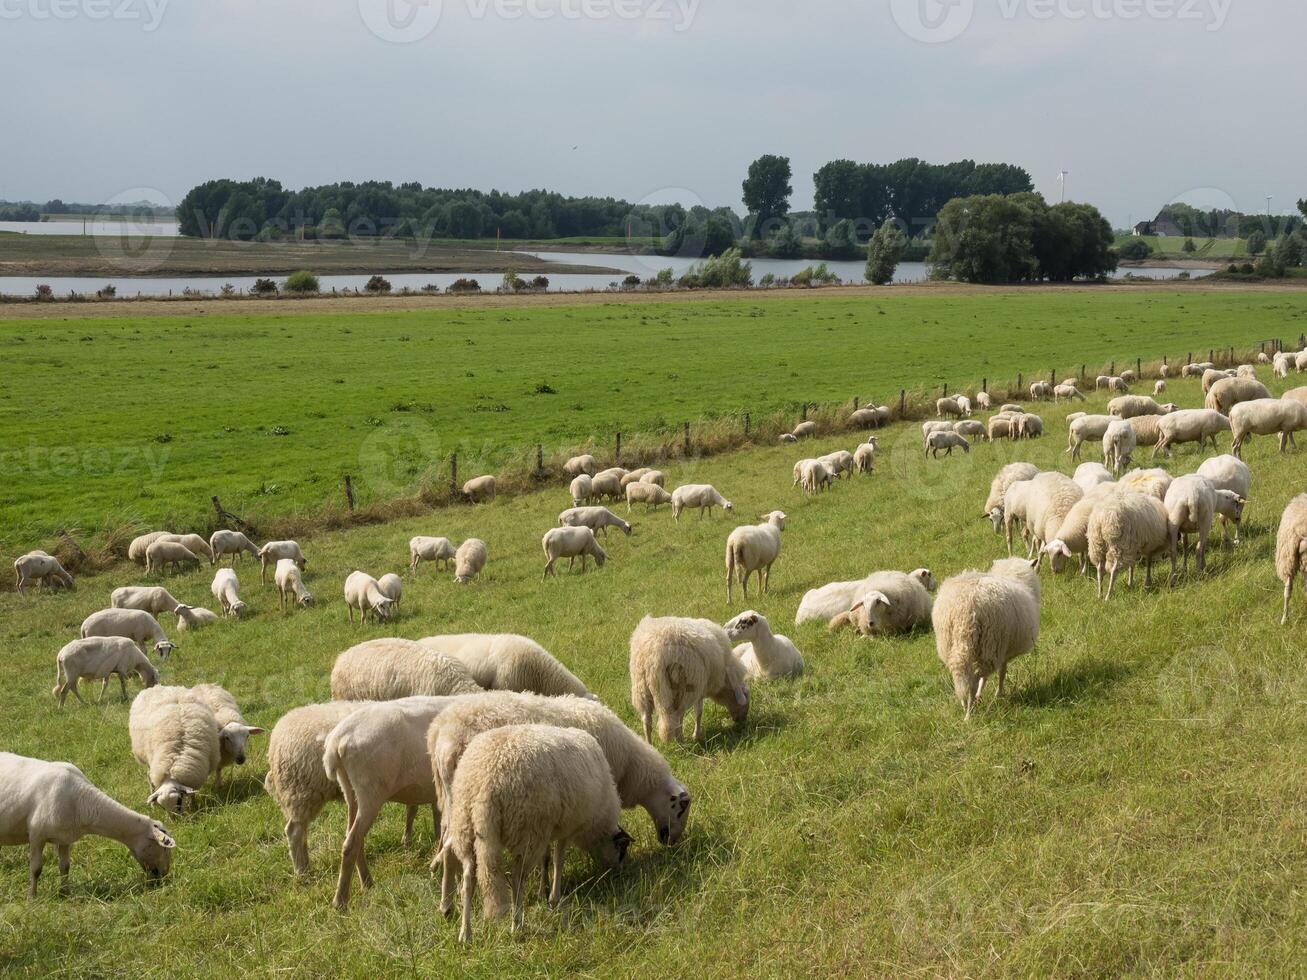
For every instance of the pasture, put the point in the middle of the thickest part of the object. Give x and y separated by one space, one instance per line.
1135 804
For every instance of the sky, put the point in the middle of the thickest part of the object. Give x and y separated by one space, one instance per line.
1142 101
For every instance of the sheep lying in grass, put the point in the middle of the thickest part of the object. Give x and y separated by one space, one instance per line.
582 490
99 658
1231 474
290 585
362 592
597 519
136 625
391 668
580 465
571 543
226 589
1125 529
675 664
469 560
699 496
480 490
649 494
176 738
165 554
39 567
1291 547
507 662
422 549
836 598
1264 417
983 621
1189 425
764 655
273 552
890 603
152 599
754 548
231 543
193 617
54 803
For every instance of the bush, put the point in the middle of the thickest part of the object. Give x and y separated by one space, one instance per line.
884 252
540 282
463 286
664 277
264 287
819 276
227 290
1189 246
631 282
43 291
1247 269
719 272
1136 250
107 291
511 283
1257 243
768 280
378 285
301 282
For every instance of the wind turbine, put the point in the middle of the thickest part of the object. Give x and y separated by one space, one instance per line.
1062 175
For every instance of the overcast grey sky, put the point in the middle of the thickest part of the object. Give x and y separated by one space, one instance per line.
1143 101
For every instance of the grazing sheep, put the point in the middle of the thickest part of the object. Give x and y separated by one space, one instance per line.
1159 388
929 428
390 668
226 589
580 466
871 417
1153 482
1085 429
1246 371
607 485
1014 511
1068 391
1028 426
864 457
1231 474
1052 496
1296 395
701 496
1196 369
1146 428
1291 547
429 549
1264 417
836 598
99 658
754 548
506 662
39 567
480 489
1040 391
163 554
947 441
1125 529
1128 376
816 476
392 587
1119 442
54 803
363 592
597 519
1090 475
972 428
153 599
1164 371
1118 384
964 403
233 733
1130 406
571 543
1230 392
983 621
657 477
193 617
1213 375
1190 506
1280 367
469 560
649 494
1011 409
983 400
1000 427
533 790
291 583
140 544
175 737
889 603
1007 476
231 543
804 430
838 462
135 624
635 476
195 544
1072 538
675 664
582 490
948 406
764 655
275 551
1189 425
788 437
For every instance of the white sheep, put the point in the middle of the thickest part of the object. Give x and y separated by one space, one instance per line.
1154 482
1282 363
1189 425
983 400
571 543
507 662
469 560
422 549
597 519
1190 507
290 585
139 544
275 551
362 592
1228 393
1130 406
1118 384
927 428
948 406
1027 426
1008 475
99 658
1068 391
54 803
195 544
947 441
1052 495
675 664
532 790
176 738
864 457
1128 376
649 494
1264 417
607 485
1014 511
1072 538
871 417
754 548
804 430
964 403
816 476
656 477
1159 388
480 489
152 599
165 554
233 733
764 654
837 598
580 465
1087 428
1291 547
1040 390
1232 474
788 437
390 668
40 567
1119 442
890 603
193 617
1125 529
392 587
582 490
839 463
231 543
135 624
1213 375
635 476
226 588
1001 427
1089 475
1164 371
701 496
1196 369
1011 409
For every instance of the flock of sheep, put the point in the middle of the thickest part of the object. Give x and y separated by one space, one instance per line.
510 749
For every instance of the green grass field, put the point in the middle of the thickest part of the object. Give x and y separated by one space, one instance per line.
1134 806
116 422
1172 247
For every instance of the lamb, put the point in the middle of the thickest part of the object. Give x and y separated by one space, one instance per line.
948 406
836 598
54 803
1291 547
392 587
838 462
152 599
363 592
291 583
947 441
1190 506
1230 474
1084 429
607 485
765 656
1068 391
226 588
231 543
1125 529
1119 442
1040 390
701 496
533 790
1213 375
164 554
1072 538
675 664
505 662
138 626
422 549
1263 417
1189 425
889 603
1159 388
40 567
864 457
1129 406
649 494
571 543
1007 476
469 560
193 617
580 466
233 733
804 430
275 551
1090 475
480 490
816 476
1153 482
1230 392
141 543
582 490
175 737
983 621
595 518
972 428
98 658
635 476
388 669
754 548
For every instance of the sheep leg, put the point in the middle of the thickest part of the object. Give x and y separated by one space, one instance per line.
556 892
35 860
1111 581
410 815
1288 591
451 868
1099 571
647 716
1002 676
122 682
549 567
1131 581
351 854
766 579
298 843
698 719
65 862
521 868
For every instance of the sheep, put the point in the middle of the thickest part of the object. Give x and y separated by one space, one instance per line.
1245 371
571 543
582 490
764 655
1291 547
607 485
1196 369
1280 367
1164 371
864 457
1230 392
231 543
1128 376
871 417
787 438
1000 427
1125 529
1159 388
657 477
1089 475
377 754
1007 476
98 658
392 587
275 551
533 790
804 430
422 549
1231 474
948 406
469 560
1015 510
595 518
290 583
195 544
1190 506
580 466
1072 416
964 403
1051 498
1028 426
754 548
1153 482
136 625
701 496
54 803
838 462
1264 417
233 733
1119 442
1189 425
1146 428
983 621
1296 395
947 441
816 476
888 603
1011 409
1040 391
1085 429
634 476
836 598
972 428
175 737
152 599
40 567
390 668
1118 384
141 543
1129 406
480 489
226 588
983 400
649 494
1213 375
1068 391
363 592
929 428
506 662
164 553
1072 537
193 617
675 664
1263 358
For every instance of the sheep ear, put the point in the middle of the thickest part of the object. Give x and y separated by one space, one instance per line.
255 731
1033 563
152 798
161 836
741 696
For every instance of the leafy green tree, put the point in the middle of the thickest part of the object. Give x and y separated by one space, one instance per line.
1291 249
884 252
1257 242
332 225
767 192
1189 246
302 282
788 244
841 241
1136 250
1271 265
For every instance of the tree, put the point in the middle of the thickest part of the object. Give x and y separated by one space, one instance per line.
767 192
788 244
1257 242
1136 250
1290 249
1189 246
884 252
302 282
1271 264
841 241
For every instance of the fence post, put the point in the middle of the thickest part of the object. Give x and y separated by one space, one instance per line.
617 451
1020 382
349 493
945 389
1083 373
855 403
453 474
903 403
1139 367
747 422
984 385
805 411
1052 377
687 438
1112 369
1211 353
1190 359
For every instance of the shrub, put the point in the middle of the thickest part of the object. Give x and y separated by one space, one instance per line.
818 276
227 290
107 291
1136 250
540 282
884 252
463 286
1247 269
378 285
264 287
302 282
631 282
1257 243
664 277
768 280
43 291
1189 246
719 272
511 283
